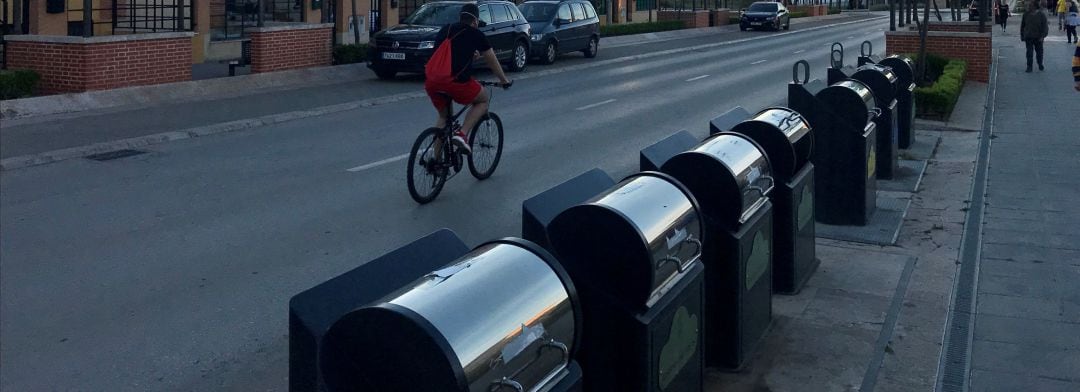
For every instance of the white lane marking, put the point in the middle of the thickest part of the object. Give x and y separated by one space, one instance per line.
378 163
758 62
851 37
587 107
799 51
697 78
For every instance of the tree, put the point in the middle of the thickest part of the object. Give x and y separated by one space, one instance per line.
355 24
924 27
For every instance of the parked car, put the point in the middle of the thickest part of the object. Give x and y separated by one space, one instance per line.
765 15
408 46
562 26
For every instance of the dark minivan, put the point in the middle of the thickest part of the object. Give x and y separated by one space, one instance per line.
562 27
408 46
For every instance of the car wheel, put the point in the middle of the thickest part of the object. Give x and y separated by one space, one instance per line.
520 57
591 48
385 74
550 52
787 26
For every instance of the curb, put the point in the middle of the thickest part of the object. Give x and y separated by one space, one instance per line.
19 162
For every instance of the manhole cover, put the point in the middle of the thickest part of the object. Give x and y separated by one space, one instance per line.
108 156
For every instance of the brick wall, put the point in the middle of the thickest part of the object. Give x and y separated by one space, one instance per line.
810 10
963 27
75 64
291 46
975 48
722 16
691 19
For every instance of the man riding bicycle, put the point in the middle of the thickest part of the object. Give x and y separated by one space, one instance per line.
466 44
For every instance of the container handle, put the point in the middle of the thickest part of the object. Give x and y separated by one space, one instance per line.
762 191
837 49
506 382
795 72
866 49
678 262
876 112
562 347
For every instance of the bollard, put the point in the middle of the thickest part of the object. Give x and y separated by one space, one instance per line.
633 253
731 179
787 140
905 101
882 83
503 317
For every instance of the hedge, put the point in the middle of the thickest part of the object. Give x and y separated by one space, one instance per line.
640 28
351 53
19 83
936 101
798 14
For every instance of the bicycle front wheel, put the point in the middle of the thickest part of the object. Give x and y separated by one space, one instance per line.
486 141
426 173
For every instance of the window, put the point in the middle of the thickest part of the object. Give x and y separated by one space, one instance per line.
499 14
564 12
579 13
539 12
485 14
589 11
763 7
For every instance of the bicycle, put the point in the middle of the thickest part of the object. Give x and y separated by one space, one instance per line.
433 155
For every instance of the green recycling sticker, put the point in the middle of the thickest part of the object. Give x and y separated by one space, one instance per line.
871 163
806 207
680 347
758 262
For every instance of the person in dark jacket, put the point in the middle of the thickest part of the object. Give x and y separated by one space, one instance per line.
1034 27
1001 10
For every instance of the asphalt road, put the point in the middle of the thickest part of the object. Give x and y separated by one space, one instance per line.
172 270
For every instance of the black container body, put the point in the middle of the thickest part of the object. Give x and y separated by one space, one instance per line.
905 102
738 284
844 157
538 211
834 75
888 153
659 350
794 247
728 120
312 312
654 156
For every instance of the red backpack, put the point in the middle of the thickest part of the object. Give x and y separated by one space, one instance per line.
440 66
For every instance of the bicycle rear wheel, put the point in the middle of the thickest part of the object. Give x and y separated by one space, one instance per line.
486 141
426 173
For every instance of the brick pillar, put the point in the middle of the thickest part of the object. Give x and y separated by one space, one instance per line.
290 46
974 48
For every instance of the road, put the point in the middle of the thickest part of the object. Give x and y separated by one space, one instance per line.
172 270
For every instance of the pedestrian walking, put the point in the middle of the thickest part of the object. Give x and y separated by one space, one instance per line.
1071 21
1034 27
1076 67
1001 10
1062 8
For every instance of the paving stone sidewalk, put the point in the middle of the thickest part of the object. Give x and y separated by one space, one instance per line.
1027 321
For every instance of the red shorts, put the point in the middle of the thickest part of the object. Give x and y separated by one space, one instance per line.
462 93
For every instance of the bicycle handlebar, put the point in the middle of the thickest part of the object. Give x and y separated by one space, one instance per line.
496 84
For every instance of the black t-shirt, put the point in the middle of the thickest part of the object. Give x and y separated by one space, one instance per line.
467 41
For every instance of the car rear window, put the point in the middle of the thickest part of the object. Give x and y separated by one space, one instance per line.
579 13
435 15
539 12
564 12
763 7
499 13
589 11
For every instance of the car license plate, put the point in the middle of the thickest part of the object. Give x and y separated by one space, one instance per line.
393 56
755 23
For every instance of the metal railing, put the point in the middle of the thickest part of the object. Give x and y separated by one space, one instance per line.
230 19
134 17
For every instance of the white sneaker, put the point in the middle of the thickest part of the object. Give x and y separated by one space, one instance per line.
462 145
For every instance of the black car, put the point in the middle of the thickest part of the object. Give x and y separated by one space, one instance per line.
562 26
408 46
765 15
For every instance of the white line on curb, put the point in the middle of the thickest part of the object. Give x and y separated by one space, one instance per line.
697 78
586 107
378 163
758 62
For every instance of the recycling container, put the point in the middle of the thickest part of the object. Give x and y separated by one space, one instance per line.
845 157
503 317
633 253
866 54
730 177
882 83
904 69
787 140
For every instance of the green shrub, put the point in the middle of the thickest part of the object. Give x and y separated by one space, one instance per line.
934 65
19 83
351 53
834 11
879 7
798 14
639 28
936 101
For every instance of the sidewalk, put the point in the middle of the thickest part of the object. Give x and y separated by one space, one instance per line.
1026 332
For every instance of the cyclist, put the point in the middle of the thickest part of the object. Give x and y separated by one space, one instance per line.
467 43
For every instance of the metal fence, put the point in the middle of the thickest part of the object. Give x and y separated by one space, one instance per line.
134 17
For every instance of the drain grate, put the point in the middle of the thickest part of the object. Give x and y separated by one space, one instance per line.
108 156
